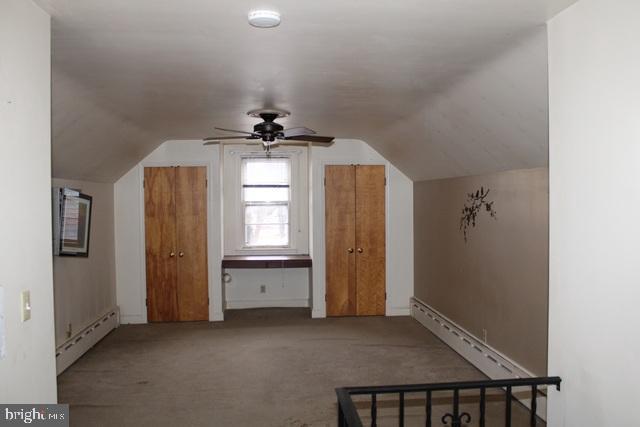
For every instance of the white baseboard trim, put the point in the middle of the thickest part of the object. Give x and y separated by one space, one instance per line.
137 319
318 314
491 362
76 346
398 311
266 303
126 319
390 312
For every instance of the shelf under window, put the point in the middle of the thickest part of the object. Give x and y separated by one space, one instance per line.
266 261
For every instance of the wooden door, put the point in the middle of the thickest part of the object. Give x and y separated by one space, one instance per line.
176 243
370 240
160 248
340 233
191 225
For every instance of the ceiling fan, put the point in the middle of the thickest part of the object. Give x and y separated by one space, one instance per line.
271 133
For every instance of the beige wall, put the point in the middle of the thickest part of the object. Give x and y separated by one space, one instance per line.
498 279
85 287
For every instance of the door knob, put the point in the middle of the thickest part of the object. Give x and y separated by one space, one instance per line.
350 250
172 254
360 250
181 254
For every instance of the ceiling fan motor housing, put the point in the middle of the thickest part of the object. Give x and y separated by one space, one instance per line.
268 129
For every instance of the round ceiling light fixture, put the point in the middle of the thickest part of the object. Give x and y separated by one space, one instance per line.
264 18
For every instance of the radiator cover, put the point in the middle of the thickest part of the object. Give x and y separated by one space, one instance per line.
491 362
76 346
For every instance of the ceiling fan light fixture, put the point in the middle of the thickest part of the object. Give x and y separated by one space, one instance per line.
264 18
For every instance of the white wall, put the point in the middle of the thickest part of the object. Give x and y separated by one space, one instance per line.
129 227
594 286
28 370
399 219
288 287
285 287
85 288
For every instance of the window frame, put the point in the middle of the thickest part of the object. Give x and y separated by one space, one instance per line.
244 203
232 208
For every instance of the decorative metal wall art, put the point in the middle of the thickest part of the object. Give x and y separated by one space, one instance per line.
476 203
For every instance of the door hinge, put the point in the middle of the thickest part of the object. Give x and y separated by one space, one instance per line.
208 301
146 302
143 182
325 181
385 296
325 297
385 180
206 183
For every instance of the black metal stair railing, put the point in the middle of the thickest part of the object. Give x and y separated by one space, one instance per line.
348 415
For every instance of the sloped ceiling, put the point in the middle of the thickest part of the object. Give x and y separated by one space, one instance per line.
440 88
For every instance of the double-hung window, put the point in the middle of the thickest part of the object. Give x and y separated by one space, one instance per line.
266 202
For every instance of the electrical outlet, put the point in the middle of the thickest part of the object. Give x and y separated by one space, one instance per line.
25 305
263 289
484 336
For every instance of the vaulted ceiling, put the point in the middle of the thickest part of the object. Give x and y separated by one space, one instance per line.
440 88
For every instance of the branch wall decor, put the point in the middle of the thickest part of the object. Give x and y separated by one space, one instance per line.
473 206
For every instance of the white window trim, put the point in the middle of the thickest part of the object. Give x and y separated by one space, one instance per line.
289 203
233 232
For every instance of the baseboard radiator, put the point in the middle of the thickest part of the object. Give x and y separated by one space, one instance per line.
487 359
77 345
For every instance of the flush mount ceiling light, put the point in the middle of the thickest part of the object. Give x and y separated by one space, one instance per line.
264 18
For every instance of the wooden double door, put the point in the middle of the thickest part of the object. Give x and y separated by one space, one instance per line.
175 206
355 240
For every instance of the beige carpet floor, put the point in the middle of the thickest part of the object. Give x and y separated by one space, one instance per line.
264 367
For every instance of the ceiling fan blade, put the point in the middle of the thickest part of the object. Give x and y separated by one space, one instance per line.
291 132
233 130
213 140
222 138
289 143
311 138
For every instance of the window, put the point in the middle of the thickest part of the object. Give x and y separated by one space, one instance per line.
266 201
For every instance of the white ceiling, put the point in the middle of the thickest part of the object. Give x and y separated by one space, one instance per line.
439 87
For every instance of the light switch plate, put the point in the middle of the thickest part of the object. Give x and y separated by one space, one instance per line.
25 298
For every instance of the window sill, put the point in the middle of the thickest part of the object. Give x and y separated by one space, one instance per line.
266 261
265 252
